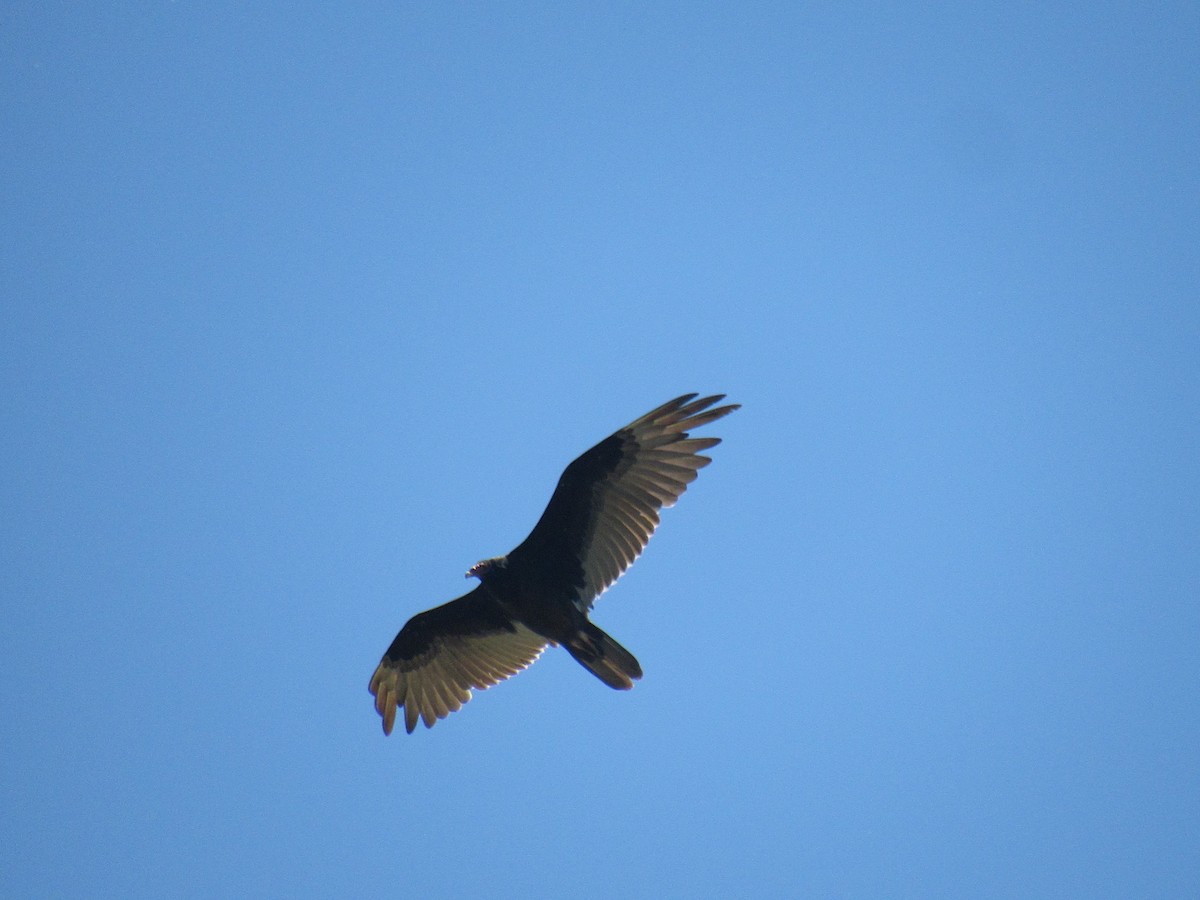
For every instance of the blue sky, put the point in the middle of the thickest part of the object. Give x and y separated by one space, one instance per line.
307 307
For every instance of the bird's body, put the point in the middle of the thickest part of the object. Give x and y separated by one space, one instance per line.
598 521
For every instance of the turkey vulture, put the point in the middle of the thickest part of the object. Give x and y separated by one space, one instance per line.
597 523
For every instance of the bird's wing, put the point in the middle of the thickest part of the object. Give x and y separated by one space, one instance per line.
441 654
606 504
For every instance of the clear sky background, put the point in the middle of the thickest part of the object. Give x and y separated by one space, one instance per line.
306 307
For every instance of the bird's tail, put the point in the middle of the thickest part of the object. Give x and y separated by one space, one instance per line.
604 657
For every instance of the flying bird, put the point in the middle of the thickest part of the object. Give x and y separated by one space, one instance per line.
597 523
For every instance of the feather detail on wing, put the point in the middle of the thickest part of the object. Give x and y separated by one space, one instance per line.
606 505
440 655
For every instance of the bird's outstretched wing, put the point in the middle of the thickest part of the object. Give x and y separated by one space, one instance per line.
605 507
441 654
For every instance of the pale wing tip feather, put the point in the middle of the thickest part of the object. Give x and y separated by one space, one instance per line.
671 406
384 687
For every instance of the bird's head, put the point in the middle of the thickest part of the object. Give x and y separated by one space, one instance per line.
486 567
